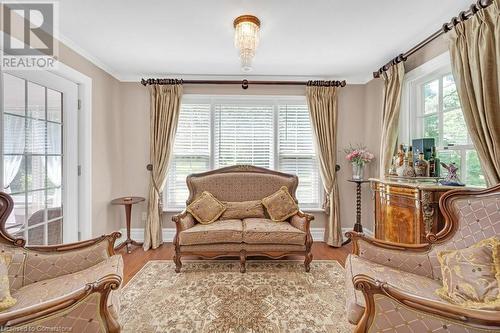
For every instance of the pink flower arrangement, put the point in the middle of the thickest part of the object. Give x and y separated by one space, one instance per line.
358 155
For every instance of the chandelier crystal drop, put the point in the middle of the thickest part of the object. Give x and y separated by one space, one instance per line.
246 39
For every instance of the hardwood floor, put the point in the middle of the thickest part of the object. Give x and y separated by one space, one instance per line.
134 261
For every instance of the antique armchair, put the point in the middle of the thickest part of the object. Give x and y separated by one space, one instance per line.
390 287
71 287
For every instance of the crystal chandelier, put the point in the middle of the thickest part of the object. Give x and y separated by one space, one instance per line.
246 39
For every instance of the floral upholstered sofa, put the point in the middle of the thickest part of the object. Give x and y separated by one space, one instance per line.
395 288
242 237
71 287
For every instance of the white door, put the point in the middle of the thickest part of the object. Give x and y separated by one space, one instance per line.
39 122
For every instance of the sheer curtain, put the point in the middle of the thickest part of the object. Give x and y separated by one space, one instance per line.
54 172
14 144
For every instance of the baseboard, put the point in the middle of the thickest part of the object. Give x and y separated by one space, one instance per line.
137 234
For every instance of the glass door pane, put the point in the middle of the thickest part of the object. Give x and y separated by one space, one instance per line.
33 160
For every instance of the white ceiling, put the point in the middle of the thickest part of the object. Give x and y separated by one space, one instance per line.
341 39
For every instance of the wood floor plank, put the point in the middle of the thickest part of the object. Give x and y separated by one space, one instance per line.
134 261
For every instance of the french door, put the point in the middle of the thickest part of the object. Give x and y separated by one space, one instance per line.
39 124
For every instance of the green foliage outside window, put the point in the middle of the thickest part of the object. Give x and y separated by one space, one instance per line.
454 130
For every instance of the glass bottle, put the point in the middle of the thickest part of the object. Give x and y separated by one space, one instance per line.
408 170
400 155
409 156
434 165
421 166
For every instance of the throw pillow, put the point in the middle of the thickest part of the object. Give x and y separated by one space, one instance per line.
6 300
280 205
471 276
206 208
242 210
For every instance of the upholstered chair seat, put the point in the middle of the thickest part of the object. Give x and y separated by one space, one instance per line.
393 287
226 231
46 290
266 231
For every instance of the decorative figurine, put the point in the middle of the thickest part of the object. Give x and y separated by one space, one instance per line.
452 177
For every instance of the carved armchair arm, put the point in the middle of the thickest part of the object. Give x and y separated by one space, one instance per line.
183 221
108 240
50 313
410 258
54 259
302 221
382 298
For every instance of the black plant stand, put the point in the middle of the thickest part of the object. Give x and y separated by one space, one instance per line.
358 227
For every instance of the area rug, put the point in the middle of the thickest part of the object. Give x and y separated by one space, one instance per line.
213 296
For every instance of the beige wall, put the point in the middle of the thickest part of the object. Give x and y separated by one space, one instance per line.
107 150
357 125
121 144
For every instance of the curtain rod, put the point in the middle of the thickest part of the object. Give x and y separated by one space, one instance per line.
246 83
463 16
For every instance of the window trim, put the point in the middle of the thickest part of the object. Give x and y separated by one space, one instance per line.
276 100
410 124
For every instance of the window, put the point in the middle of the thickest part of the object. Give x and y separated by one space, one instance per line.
435 112
265 132
34 160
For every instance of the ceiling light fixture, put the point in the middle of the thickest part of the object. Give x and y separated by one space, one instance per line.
246 39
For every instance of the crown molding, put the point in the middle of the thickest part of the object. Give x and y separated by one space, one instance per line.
124 77
87 55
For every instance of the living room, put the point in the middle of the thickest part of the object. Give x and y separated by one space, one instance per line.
250 166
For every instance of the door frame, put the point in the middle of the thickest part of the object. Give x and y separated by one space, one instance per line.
84 146
78 179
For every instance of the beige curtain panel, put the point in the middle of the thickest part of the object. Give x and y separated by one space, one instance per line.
393 86
322 103
164 116
475 54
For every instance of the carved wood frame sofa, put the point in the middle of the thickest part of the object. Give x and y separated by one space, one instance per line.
391 287
61 287
236 184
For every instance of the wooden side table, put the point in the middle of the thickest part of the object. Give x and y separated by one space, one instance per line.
127 202
358 227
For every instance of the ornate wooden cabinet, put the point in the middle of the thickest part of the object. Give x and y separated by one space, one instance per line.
405 212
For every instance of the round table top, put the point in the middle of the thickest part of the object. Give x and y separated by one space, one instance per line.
127 200
359 181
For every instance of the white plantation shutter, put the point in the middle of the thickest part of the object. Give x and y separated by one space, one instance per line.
191 151
296 152
244 135
270 133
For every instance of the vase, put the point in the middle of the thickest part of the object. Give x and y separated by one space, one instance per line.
357 171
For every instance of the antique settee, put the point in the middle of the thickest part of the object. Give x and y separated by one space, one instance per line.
391 287
71 287
246 237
